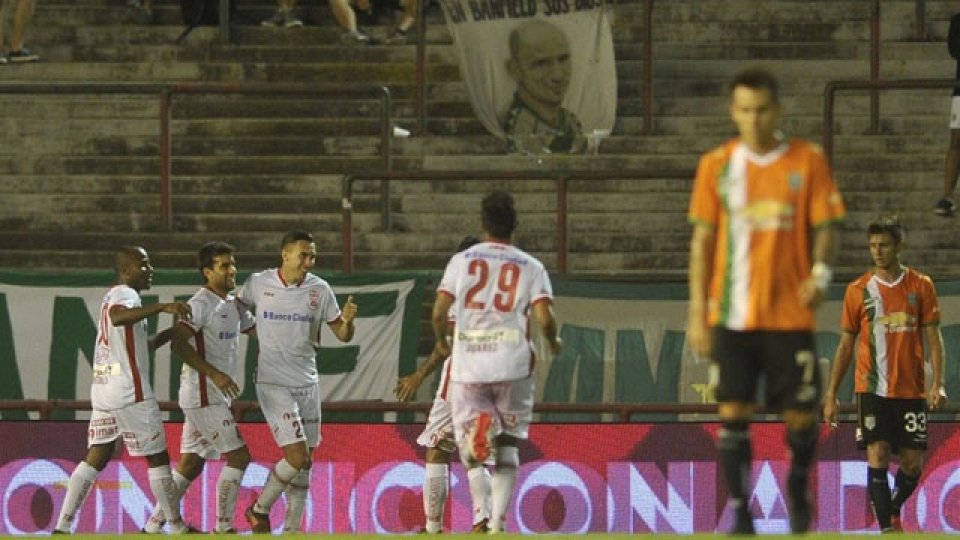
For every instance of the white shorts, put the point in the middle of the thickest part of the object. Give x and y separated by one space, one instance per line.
210 431
140 425
438 433
510 404
955 113
293 413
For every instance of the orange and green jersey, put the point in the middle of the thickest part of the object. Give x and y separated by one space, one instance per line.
889 318
763 209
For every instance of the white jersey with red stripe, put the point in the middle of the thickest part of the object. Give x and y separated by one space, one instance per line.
289 319
216 325
494 286
121 357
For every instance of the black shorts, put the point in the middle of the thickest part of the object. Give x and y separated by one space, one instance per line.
787 362
900 422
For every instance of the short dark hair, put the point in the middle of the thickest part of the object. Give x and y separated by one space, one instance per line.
293 237
499 214
887 225
211 250
756 79
468 242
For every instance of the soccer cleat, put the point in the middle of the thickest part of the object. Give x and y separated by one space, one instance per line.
481 527
478 439
945 208
895 524
259 523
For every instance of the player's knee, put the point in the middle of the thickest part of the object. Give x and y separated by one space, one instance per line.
190 465
239 458
508 457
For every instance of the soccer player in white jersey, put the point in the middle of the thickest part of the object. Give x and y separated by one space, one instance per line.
438 439
291 305
208 344
123 401
493 289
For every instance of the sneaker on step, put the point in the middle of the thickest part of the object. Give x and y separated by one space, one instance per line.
23 55
282 19
478 438
354 37
945 208
259 523
397 37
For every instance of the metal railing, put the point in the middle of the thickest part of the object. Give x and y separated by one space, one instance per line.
561 178
832 87
624 412
166 91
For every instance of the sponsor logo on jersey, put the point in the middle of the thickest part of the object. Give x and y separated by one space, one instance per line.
900 321
288 317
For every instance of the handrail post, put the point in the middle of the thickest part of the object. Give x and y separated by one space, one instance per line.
386 156
226 32
165 146
562 224
421 68
346 222
828 98
875 67
920 16
648 68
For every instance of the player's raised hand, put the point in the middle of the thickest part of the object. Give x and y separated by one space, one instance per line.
407 387
226 384
181 310
349 311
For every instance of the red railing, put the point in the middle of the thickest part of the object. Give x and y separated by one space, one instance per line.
624 412
561 178
166 91
833 87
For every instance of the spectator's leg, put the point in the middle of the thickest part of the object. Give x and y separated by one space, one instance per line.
21 21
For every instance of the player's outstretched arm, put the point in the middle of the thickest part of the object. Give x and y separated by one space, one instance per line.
159 339
120 315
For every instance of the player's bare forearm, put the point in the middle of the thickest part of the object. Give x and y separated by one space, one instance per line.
701 267
180 344
441 308
159 339
343 330
934 340
841 363
824 244
547 320
120 316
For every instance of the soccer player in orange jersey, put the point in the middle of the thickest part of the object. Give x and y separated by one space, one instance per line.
762 211
894 311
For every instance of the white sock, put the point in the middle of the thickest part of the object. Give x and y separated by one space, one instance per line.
479 478
296 501
228 486
158 518
435 489
167 495
280 476
501 485
78 487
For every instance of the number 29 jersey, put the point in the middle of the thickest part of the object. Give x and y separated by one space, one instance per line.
493 286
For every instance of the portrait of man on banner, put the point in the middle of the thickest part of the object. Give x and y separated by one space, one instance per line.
541 74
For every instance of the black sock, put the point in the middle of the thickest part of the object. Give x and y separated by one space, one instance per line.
902 490
735 456
803 445
879 491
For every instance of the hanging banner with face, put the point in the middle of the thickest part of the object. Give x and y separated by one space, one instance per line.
540 73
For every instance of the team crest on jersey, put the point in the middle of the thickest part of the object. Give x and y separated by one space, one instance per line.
314 298
870 422
795 180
